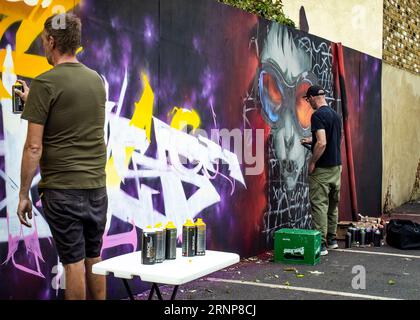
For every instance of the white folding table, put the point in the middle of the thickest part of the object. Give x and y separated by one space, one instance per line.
171 272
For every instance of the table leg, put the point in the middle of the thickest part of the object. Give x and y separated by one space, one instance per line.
152 290
174 293
155 288
158 291
127 287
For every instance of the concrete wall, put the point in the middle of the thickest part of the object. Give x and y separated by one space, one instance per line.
400 134
357 24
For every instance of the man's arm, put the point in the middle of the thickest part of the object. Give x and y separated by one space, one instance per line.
32 152
319 148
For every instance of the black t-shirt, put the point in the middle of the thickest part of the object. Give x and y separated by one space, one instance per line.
326 118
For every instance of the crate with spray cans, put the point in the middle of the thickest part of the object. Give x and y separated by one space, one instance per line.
159 243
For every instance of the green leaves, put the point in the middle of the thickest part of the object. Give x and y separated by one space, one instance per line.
269 9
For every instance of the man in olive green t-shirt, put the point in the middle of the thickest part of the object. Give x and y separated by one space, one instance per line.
65 109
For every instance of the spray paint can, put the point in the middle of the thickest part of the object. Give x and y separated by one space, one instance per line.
362 237
171 233
368 237
188 239
348 240
200 242
353 236
372 235
17 101
382 231
148 251
160 243
357 236
374 229
377 238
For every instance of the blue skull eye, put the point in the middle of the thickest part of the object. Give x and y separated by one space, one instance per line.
271 96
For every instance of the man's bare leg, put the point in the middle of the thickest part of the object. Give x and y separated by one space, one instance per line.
75 281
96 284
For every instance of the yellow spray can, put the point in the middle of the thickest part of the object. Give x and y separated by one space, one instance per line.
160 242
200 242
171 233
188 239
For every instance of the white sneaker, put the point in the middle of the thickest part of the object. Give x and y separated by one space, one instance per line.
324 250
333 246
332 243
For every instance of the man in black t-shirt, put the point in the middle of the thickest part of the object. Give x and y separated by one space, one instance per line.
324 167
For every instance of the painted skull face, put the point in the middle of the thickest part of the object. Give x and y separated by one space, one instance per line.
283 79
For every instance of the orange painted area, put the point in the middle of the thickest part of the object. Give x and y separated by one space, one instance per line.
32 19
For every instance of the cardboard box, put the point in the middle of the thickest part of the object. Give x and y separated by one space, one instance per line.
342 228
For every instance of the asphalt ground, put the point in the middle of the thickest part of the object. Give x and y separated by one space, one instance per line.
390 274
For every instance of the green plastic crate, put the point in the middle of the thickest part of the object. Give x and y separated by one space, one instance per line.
297 246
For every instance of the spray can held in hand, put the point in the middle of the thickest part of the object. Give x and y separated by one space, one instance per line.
16 99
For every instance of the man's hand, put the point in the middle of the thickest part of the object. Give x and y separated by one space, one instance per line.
24 211
311 167
307 140
24 94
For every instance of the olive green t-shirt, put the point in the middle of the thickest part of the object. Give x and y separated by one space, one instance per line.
69 100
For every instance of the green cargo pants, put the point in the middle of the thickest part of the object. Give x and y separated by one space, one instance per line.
324 194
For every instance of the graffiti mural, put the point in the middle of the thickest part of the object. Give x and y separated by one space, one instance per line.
290 64
203 120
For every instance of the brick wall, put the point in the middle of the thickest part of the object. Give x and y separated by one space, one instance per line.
401 46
